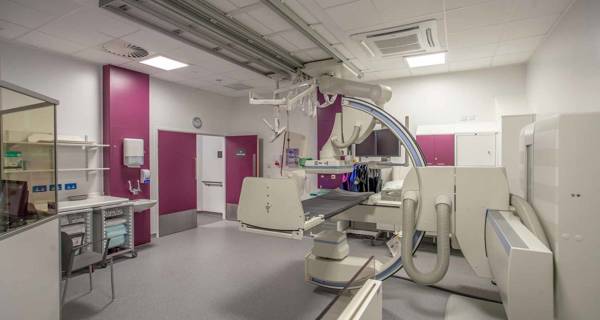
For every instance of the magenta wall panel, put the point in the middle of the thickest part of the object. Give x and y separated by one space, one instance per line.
444 149
427 145
325 122
437 148
241 161
176 172
126 114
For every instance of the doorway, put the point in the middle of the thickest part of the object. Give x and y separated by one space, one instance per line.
211 174
242 160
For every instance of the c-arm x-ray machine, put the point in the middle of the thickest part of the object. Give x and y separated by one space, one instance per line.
500 235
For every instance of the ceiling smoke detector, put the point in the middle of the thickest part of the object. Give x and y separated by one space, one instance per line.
237 86
125 49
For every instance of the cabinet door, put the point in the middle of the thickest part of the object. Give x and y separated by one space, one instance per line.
427 145
444 150
476 150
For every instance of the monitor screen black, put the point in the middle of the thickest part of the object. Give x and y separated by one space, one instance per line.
380 143
14 196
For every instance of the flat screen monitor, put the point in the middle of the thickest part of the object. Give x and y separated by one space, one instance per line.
14 196
380 143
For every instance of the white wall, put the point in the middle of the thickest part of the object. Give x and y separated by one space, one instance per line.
564 73
452 97
248 120
77 85
172 107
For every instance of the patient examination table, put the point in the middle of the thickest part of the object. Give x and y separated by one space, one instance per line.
273 207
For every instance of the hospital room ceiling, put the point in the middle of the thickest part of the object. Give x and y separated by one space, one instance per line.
476 34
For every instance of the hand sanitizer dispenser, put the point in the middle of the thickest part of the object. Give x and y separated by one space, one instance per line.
133 152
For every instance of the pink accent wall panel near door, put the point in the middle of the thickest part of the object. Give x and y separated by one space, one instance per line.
325 122
176 172
241 161
437 148
126 114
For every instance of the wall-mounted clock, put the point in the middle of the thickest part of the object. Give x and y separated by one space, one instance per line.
197 122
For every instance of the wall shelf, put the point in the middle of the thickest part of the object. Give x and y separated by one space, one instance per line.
19 171
58 144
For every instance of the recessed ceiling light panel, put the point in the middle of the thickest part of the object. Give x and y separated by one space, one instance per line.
164 63
425 60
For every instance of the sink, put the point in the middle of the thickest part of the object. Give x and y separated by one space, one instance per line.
140 205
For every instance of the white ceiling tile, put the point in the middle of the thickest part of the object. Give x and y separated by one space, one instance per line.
429 70
399 10
332 3
535 8
53 7
152 40
10 30
513 58
322 30
471 64
252 23
80 27
345 16
45 41
475 37
301 11
270 19
386 74
487 13
21 15
284 43
244 74
344 51
381 64
223 5
520 45
97 55
471 53
136 66
454 4
243 3
528 27
299 40
317 54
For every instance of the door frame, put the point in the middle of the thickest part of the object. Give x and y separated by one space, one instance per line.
198 169
154 181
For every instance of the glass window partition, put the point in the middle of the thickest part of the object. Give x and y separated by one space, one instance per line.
28 152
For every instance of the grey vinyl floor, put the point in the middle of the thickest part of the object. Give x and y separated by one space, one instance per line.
218 272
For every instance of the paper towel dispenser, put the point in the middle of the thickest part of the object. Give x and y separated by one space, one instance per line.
133 152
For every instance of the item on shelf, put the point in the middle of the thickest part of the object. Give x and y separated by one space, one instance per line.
77 197
13 160
46 137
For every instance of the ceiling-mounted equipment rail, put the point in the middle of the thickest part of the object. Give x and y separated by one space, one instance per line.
200 19
285 12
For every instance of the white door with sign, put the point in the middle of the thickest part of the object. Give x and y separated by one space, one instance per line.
211 174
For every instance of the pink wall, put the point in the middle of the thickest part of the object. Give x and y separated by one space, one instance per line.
325 122
239 152
176 172
126 114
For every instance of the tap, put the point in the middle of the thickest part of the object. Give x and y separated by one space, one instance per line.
137 190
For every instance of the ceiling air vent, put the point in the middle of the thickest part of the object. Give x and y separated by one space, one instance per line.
409 39
237 86
125 49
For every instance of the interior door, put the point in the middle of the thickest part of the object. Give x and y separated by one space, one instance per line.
176 172
241 161
211 174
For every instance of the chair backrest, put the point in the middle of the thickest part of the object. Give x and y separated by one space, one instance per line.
66 249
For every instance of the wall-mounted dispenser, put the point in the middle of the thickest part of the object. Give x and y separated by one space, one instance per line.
145 176
133 152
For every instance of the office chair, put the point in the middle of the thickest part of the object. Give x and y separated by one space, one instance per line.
73 259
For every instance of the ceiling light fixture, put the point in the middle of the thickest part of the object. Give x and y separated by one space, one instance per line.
164 63
425 60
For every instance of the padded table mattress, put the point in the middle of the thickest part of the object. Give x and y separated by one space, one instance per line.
333 203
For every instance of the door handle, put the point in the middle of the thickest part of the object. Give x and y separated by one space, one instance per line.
213 183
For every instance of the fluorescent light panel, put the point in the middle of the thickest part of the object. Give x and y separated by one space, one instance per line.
164 63
425 60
